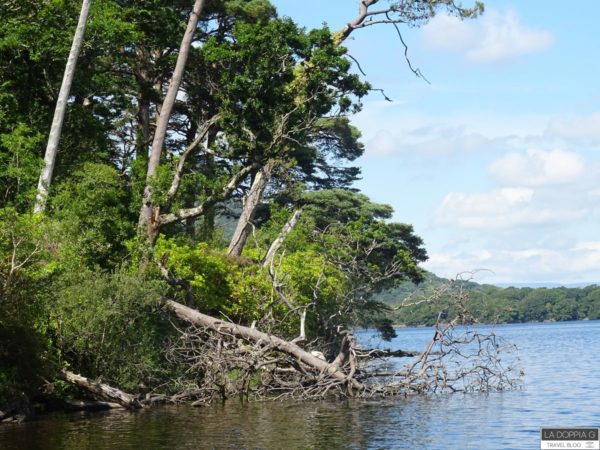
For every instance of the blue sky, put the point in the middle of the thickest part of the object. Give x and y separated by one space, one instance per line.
496 163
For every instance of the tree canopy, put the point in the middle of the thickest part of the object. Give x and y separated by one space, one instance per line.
207 157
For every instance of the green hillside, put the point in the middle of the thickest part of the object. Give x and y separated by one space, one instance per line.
420 304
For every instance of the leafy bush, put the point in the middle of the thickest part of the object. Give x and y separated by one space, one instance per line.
92 212
22 362
24 276
221 285
108 325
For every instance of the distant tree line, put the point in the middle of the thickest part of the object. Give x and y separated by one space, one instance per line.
490 304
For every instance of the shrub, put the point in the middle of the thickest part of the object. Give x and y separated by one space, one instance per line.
108 325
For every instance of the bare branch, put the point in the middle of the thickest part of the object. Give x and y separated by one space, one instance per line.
416 71
172 192
187 213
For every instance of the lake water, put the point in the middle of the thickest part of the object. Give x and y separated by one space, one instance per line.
562 388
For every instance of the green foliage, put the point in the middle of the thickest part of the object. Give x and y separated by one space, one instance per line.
385 327
108 325
19 166
332 206
418 13
277 82
249 10
92 209
25 352
339 256
80 288
22 362
23 264
355 234
207 272
34 44
235 288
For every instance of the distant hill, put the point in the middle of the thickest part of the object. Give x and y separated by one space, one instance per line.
420 304
548 285
431 284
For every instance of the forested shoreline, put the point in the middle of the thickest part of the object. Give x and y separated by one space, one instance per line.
420 304
190 231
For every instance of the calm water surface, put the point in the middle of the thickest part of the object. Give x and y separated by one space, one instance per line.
562 388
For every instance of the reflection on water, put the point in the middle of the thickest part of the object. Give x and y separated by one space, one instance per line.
562 388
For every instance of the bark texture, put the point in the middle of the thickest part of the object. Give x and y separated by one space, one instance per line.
147 214
251 203
278 242
102 390
59 111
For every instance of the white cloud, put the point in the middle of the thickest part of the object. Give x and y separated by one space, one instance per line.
569 264
427 141
500 208
572 262
473 265
538 168
494 37
446 32
456 265
581 129
588 246
510 207
382 144
505 38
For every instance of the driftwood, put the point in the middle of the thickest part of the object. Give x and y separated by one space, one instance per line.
102 390
19 410
268 340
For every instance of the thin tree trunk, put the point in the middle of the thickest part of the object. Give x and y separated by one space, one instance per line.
278 242
251 203
59 111
143 132
148 215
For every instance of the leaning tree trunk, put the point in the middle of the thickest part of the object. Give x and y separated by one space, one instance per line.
59 111
254 197
149 211
251 204
278 242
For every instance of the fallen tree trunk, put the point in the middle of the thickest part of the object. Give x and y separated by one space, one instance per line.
197 318
102 390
